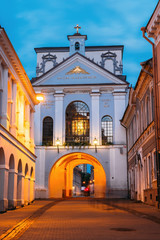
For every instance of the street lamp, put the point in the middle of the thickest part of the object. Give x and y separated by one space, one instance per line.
58 143
95 141
40 97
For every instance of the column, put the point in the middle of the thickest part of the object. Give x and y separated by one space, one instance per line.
32 128
95 118
27 124
26 190
36 125
119 135
3 188
9 102
14 110
32 186
12 189
20 189
21 119
3 118
59 117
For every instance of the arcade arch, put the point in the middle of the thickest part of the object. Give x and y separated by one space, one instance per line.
61 175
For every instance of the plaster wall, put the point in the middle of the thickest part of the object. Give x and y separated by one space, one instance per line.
113 162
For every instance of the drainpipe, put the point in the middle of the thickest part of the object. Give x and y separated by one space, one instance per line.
156 117
128 191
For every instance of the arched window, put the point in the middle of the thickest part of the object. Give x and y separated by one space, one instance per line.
77 122
107 130
47 131
147 111
152 104
142 118
77 46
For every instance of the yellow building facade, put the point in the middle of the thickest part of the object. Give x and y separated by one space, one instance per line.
17 101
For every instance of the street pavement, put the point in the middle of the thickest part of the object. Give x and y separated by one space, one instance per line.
77 219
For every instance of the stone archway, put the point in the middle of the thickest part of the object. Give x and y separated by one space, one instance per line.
61 175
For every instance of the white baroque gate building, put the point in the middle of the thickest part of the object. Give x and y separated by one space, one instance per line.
85 96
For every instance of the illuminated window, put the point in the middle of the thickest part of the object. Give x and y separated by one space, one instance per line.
47 131
77 122
107 130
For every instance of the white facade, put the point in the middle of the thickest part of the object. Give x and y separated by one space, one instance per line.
78 78
17 159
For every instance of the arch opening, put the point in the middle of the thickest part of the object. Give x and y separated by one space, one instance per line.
83 180
61 175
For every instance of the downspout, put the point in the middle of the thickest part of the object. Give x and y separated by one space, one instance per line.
127 160
156 101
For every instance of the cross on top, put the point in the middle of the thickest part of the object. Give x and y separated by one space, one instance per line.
77 27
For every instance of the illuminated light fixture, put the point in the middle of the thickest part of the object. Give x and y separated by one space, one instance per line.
39 97
95 141
58 143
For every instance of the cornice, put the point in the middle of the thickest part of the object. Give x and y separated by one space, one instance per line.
147 134
14 141
153 26
128 116
14 64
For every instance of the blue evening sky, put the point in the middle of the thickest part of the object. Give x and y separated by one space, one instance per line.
46 23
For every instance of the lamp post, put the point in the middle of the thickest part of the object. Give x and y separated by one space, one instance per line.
95 141
58 143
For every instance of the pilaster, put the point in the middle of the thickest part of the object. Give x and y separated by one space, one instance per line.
37 124
119 135
13 127
27 124
21 119
3 188
95 119
59 97
4 97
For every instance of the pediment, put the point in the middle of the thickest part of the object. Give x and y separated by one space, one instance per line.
77 69
109 54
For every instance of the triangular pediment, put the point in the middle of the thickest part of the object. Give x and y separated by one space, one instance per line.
77 70
109 54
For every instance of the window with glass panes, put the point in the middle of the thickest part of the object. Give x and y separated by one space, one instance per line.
77 122
47 131
107 130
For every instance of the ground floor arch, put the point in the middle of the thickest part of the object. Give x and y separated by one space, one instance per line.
15 178
61 175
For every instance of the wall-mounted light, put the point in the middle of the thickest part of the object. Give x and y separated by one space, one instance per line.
40 97
95 141
58 143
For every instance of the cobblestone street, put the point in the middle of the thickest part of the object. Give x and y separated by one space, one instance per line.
80 219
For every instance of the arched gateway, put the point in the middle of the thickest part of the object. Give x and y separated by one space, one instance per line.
61 175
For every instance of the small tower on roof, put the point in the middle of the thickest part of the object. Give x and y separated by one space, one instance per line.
77 42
